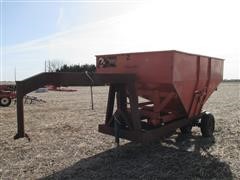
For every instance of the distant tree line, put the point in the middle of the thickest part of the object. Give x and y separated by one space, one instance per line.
53 65
77 68
231 80
59 66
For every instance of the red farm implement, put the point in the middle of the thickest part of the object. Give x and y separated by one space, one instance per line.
156 92
63 89
7 93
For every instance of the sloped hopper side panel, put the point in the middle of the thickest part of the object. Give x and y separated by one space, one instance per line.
177 84
154 72
149 67
195 78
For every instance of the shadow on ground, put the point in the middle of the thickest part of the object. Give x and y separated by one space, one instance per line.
178 157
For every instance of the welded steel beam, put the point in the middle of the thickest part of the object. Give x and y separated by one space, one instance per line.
69 79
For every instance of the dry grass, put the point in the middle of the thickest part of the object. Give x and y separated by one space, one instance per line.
65 143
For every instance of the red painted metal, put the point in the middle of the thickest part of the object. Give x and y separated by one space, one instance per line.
176 84
7 91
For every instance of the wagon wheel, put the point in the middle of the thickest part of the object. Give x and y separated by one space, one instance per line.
5 101
207 125
186 129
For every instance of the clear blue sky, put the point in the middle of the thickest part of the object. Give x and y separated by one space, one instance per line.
26 21
35 31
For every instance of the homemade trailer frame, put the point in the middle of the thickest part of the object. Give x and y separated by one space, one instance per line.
135 129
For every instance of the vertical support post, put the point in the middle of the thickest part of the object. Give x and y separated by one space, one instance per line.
135 116
121 98
122 105
116 131
20 112
110 103
91 96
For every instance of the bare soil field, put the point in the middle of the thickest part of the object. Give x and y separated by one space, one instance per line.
65 143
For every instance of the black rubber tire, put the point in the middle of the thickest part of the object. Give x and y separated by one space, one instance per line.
5 101
207 125
186 129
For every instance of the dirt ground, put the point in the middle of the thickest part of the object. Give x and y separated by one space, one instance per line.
65 143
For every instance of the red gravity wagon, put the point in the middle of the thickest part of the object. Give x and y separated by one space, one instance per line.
155 92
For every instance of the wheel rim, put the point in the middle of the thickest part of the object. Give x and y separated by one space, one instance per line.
4 101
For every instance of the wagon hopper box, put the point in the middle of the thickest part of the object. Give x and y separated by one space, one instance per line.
173 87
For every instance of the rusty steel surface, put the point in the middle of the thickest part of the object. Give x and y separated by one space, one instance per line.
176 84
122 86
174 87
74 79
